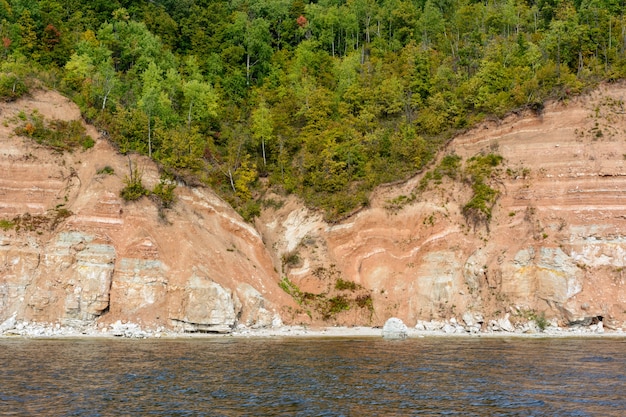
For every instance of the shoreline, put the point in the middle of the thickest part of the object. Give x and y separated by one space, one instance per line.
366 332
133 331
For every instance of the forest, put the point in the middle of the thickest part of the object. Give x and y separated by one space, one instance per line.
323 99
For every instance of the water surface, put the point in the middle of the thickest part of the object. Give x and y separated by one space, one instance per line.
313 377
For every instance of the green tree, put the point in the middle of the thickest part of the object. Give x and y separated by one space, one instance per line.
234 158
256 43
324 24
262 126
6 11
161 24
13 80
54 45
132 45
563 39
154 101
105 81
90 71
27 32
77 70
432 24
181 149
245 176
200 101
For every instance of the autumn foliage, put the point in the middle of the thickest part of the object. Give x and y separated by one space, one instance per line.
302 21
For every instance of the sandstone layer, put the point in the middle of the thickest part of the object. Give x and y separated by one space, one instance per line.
554 248
79 254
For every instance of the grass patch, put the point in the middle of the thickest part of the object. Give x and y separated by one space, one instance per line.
107 170
290 288
541 321
334 306
249 210
449 167
134 189
479 208
396 204
59 135
6 224
329 304
272 203
163 192
40 222
344 285
365 301
479 170
291 259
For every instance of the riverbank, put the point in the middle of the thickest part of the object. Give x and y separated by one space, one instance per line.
22 329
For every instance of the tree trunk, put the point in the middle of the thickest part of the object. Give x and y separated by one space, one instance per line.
248 70
610 19
232 182
149 136
189 115
263 147
623 28
106 96
282 165
580 62
558 56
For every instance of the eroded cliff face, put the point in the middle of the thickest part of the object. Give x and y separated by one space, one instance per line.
555 245
77 254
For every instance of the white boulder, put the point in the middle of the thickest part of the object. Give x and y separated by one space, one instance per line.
395 328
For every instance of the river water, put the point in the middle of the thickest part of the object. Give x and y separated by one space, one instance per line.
313 377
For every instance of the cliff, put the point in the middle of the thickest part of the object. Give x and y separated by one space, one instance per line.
554 246
73 252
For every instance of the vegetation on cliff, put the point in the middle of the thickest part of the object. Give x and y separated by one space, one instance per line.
326 99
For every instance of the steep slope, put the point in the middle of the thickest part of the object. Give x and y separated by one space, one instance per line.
74 252
555 244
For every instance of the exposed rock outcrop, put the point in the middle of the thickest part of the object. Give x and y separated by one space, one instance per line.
78 254
552 252
555 243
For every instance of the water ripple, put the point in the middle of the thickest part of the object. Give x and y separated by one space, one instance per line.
322 377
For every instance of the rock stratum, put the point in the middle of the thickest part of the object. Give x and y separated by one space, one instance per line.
76 254
80 254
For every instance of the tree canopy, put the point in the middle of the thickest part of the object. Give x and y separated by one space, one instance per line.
326 98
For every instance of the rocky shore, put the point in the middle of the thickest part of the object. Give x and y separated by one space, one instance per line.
449 328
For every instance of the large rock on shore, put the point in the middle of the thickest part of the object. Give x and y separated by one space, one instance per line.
395 328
